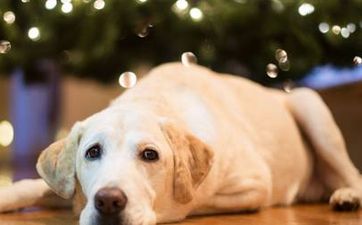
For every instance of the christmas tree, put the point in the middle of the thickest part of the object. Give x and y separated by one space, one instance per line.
102 38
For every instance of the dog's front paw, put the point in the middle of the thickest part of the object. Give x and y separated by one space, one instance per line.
345 199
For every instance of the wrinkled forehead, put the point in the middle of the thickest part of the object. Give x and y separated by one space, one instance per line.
122 125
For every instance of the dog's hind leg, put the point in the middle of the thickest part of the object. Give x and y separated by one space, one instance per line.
27 193
333 163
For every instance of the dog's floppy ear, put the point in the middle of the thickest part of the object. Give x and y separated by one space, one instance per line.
56 164
192 161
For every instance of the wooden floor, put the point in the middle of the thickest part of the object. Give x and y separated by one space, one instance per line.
296 215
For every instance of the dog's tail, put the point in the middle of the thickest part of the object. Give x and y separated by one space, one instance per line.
27 193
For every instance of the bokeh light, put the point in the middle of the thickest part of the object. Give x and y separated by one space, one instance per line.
351 27
196 14
50 4
67 7
336 29
99 4
323 27
345 32
5 47
6 133
281 55
188 58
357 60
127 79
305 9
9 17
181 4
288 86
272 70
34 33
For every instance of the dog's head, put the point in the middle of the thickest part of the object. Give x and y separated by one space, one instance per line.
133 167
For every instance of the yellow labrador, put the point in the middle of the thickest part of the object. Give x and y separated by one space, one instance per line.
189 141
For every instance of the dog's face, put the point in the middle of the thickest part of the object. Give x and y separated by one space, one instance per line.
133 167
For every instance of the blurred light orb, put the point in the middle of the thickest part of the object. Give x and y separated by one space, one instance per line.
67 7
6 133
66 1
336 29
50 4
25 1
9 17
141 1
181 5
272 70
5 47
323 27
288 86
86 1
196 14
345 32
285 66
351 27
357 60
188 58
127 79
277 6
305 9
99 4
144 32
281 55
34 33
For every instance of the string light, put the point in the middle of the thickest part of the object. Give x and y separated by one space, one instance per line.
351 27
305 9
34 33
9 17
6 133
336 29
345 32
67 7
181 5
99 4
50 4
196 14
323 27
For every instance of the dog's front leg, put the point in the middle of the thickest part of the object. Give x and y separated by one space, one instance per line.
245 195
26 193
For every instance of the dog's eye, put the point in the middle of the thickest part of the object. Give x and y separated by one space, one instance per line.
93 152
149 155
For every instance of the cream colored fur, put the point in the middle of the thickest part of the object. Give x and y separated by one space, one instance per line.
226 144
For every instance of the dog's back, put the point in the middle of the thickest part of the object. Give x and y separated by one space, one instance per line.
249 125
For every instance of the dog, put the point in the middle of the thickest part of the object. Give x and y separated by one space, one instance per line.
188 141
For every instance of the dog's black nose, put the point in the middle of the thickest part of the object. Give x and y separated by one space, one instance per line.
110 200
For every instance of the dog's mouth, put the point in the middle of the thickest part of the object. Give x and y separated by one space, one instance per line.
114 219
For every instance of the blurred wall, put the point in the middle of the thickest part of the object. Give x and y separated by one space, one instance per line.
346 105
82 98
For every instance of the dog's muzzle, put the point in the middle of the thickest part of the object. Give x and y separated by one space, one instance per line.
110 202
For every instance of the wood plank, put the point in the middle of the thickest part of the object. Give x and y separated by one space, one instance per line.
318 214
